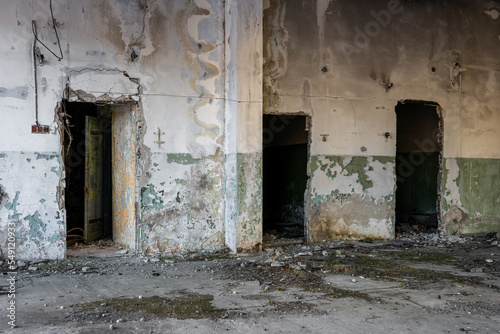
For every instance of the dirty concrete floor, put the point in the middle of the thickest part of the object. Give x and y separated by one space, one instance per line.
425 284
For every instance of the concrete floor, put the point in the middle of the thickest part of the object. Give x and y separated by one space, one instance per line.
429 285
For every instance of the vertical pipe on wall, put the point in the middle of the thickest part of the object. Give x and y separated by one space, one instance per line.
35 79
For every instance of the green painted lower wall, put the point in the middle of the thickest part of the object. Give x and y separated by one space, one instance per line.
249 201
351 197
471 195
181 203
479 181
31 205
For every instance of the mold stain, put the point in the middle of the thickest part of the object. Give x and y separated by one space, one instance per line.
4 197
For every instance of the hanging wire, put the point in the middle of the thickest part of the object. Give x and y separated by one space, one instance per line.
35 33
36 82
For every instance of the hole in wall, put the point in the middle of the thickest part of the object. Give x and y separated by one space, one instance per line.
418 166
285 179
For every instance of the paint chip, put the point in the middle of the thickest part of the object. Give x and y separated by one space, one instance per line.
495 14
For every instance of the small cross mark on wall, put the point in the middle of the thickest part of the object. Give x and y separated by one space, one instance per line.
159 141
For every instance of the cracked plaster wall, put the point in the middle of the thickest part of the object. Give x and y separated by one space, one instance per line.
348 71
167 57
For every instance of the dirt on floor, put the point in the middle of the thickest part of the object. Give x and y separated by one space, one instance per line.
426 283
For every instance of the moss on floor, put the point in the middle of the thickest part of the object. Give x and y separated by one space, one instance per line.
186 306
391 270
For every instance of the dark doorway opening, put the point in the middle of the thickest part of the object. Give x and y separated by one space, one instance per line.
285 156
418 166
87 158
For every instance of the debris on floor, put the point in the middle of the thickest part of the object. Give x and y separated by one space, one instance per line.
443 277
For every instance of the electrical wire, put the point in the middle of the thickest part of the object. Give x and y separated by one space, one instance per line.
35 33
36 82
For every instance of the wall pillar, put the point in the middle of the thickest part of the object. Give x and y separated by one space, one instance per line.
243 124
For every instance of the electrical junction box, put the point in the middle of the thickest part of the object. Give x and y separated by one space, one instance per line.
40 129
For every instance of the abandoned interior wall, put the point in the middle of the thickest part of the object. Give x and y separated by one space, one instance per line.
30 165
198 75
164 58
347 64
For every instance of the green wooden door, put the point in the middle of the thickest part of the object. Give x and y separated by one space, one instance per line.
94 149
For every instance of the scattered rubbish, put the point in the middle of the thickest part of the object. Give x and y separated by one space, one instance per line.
303 254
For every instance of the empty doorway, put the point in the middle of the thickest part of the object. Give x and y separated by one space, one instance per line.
99 156
285 179
418 162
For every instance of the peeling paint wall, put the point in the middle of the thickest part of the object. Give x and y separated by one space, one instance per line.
40 227
166 58
200 73
351 197
124 175
471 195
349 70
182 211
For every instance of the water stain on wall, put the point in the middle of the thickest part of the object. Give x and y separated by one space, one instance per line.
21 92
4 197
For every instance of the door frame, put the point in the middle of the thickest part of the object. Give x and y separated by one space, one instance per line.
440 143
308 125
133 214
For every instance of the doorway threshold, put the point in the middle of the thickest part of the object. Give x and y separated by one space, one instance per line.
97 249
270 240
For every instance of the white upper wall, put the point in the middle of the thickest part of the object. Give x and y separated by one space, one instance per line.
178 67
335 59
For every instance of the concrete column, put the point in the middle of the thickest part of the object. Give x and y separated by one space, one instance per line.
243 124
